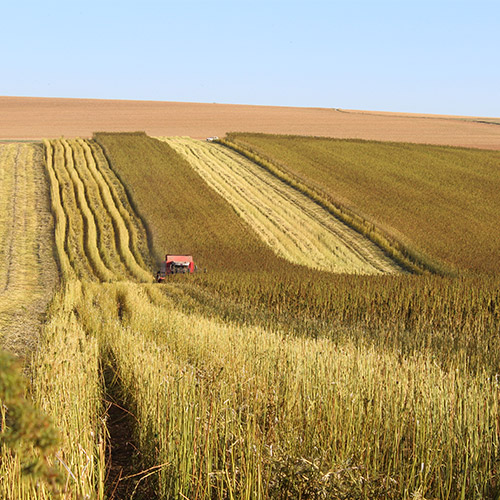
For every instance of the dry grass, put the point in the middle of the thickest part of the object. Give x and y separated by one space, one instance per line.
289 222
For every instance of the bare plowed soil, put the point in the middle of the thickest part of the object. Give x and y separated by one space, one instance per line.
27 118
294 226
28 272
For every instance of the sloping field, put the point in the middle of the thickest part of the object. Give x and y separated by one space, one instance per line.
215 406
97 236
28 272
289 222
441 202
25 117
183 214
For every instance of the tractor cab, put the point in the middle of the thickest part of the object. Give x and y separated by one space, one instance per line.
175 264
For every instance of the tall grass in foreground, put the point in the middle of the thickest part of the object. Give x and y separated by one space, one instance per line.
227 411
67 387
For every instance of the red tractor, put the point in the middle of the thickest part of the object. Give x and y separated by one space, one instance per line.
175 264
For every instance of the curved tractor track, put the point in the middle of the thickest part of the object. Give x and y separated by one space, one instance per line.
294 226
98 238
28 270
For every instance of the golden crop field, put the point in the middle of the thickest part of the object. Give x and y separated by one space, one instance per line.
27 266
440 202
289 222
260 378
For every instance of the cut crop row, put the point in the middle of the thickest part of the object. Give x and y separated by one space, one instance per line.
93 238
292 224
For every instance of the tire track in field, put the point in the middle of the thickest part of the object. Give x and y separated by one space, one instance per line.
288 221
92 235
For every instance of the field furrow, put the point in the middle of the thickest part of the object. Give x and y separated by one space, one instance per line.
290 223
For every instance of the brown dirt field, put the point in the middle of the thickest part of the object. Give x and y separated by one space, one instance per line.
34 118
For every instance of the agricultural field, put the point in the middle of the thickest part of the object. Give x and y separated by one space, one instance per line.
289 222
36 118
440 202
259 378
28 270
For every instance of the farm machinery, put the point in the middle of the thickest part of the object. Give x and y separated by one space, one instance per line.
175 264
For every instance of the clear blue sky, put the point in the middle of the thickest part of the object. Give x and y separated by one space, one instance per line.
440 56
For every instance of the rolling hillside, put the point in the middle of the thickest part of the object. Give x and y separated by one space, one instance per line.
33 117
260 378
441 203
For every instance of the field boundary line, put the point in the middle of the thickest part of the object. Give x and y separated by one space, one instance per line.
408 259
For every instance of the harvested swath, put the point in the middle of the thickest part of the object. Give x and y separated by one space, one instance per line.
116 197
82 202
441 203
183 214
123 221
28 271
288 221
91 248
105 224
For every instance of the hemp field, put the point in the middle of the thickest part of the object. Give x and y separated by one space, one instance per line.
441 202
261 378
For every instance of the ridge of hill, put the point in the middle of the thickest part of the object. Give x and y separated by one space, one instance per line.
36 117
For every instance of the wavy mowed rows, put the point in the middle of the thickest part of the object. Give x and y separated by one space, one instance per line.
98 237
294 226
27 266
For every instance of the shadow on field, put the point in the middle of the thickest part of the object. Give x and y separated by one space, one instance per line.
126 478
